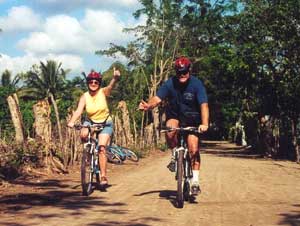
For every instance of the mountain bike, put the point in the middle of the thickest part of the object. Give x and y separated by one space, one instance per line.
123 153
183 166
90 158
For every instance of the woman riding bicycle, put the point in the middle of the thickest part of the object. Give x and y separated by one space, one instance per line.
95 103
187 106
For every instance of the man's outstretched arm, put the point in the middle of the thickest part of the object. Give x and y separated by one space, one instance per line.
152 103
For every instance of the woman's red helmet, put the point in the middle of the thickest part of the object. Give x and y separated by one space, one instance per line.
182 65
93 75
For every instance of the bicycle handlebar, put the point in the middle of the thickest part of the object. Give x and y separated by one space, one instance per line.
187 129
95 127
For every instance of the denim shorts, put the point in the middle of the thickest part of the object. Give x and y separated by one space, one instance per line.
108 129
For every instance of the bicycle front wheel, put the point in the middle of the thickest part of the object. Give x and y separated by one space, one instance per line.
179 176
86 173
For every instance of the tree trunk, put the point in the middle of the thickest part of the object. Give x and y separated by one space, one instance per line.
148 136
16 116
57 119
126 123
294 138
119 136
156 122
135 135
42 123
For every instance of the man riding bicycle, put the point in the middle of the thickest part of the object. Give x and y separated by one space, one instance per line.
187 106
95 103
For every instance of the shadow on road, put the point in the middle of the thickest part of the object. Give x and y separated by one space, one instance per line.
225 149
133 222
65 200
50 183
166 194
292 219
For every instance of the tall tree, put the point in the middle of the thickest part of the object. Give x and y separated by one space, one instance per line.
152 54
46 82
264 37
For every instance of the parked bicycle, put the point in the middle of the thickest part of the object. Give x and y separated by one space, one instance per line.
114 156
183 166
90 159
123 153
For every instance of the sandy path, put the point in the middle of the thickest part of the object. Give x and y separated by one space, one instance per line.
236 191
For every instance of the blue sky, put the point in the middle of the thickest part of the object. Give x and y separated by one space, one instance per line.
68 31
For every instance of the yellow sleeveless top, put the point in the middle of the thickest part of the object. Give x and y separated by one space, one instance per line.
96 107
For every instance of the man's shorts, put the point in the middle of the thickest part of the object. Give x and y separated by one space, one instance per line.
108 129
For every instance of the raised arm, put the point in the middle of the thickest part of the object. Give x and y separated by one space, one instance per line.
116 77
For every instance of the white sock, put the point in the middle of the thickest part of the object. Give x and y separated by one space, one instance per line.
195 176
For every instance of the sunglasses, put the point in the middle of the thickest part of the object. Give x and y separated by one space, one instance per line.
93 82
180 73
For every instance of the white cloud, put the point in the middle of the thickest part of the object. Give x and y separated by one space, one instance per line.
65 34
69 40
24 63
103 27
20 18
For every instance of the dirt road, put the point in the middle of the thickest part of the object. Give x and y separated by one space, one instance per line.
235 192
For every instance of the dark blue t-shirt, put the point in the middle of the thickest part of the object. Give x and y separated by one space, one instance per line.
183 100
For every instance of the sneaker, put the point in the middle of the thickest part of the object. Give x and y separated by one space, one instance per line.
103 181
195 189
171 165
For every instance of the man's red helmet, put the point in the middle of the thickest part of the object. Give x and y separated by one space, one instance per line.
182 65
93 75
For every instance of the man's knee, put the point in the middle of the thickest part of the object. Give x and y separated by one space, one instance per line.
171 137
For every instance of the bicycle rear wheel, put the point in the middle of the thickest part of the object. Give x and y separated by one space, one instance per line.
131 155
86 172
180 198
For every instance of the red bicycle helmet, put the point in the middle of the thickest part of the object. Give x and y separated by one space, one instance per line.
93 75
182 65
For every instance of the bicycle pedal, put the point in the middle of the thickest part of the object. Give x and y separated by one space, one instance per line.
171 166
195 190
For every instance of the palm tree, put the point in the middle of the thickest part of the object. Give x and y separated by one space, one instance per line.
46 82
13 104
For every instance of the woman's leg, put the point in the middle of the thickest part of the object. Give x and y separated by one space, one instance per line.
103 140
